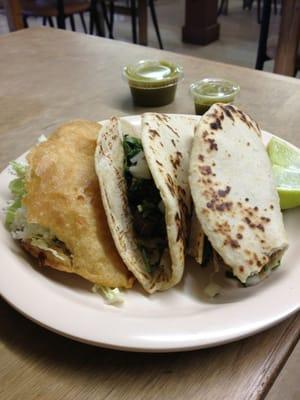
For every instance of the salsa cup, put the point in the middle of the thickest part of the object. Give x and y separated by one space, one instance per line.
153 83
208 91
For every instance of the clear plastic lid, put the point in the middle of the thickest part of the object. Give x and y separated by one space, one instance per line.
152 73
214 89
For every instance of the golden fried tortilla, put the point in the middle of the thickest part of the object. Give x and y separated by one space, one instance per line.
63 195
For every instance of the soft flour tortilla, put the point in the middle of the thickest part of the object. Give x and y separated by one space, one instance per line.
165 150
63 195
234 194
109 164
167 142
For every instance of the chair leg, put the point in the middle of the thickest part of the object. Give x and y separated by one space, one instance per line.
226 7
259 11
83 22
155 22
112 15
133 20
25 21
61 23
222 7
72 22
50 20
106 19
275 7
247 4
91 30
263 36
95 17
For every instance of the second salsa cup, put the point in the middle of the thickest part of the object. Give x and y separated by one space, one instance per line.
208 91
153 83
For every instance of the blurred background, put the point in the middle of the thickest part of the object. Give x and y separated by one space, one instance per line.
241 24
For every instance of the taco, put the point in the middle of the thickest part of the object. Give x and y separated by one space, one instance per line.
144 184
58 215
234 193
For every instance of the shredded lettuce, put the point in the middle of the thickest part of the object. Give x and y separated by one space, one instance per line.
42 139
11 212
18 168
38 236
16 221
17 188
112 296
212 289
42 244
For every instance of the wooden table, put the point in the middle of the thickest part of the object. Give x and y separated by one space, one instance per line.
50 76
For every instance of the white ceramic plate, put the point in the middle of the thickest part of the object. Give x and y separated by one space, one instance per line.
179 319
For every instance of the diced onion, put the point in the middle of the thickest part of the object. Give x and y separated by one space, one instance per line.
140 170
42 138
112 296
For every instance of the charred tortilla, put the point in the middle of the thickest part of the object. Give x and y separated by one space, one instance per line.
144 185
234 193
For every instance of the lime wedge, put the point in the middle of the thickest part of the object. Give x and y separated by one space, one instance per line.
283 153
288 186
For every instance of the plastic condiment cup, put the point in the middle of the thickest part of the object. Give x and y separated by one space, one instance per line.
153 83
208 91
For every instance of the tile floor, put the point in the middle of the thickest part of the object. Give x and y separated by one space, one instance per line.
237 45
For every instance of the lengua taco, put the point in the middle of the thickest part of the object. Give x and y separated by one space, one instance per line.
234 194
58 215
144 184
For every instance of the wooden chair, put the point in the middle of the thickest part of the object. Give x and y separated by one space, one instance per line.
129 7
263 52
223 7
248 4
61 10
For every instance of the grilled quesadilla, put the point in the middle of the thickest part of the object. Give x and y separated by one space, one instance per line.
144 184
234 194
58 214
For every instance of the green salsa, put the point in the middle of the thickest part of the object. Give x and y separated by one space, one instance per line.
154 97
201 108
153 83
209 91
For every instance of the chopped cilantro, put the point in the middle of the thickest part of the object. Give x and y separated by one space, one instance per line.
132 146
144 200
